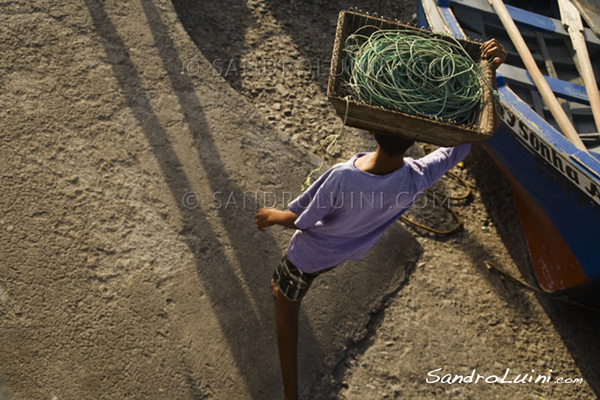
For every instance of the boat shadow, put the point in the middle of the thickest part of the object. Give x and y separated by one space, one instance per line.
578 327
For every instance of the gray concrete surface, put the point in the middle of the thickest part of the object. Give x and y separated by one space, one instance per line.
3 393
127 269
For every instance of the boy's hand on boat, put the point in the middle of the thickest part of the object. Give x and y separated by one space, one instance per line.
493 50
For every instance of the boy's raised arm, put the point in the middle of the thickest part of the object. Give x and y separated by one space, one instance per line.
495 52
266 217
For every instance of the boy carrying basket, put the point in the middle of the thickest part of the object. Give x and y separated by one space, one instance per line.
332 227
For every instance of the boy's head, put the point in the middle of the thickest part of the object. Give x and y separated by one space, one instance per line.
393 146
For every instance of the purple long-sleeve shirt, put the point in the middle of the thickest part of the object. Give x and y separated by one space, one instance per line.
346 210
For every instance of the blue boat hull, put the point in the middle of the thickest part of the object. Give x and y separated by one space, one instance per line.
556 188
550 205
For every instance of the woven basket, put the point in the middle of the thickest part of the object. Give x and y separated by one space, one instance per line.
419 128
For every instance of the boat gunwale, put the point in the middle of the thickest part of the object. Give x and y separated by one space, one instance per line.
586 162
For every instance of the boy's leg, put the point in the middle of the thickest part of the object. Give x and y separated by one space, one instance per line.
289 285
286 319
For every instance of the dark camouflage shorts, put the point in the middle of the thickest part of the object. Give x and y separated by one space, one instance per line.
292 282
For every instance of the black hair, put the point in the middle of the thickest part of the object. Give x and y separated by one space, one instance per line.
392 145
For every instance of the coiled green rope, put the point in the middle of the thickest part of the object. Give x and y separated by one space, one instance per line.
414 73
411 72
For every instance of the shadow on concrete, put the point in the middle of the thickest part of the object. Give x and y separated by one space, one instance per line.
3 391
579 330
312 25
249 336
208 19
329 311
246 340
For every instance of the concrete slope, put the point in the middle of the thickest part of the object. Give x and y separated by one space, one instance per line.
130 265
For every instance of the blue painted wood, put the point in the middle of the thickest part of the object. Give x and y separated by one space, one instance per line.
566 90
447 14
554 138
527 19
421 18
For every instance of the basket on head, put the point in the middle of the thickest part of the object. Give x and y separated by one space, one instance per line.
415 127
